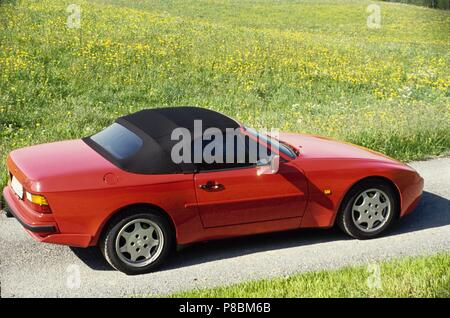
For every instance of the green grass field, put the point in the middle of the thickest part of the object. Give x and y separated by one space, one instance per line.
301 66
409 277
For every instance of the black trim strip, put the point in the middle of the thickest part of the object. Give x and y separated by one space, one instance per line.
41 229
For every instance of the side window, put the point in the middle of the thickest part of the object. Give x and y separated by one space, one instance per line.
231 152
256 151
265 153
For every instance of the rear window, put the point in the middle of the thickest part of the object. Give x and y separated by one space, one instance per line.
119 141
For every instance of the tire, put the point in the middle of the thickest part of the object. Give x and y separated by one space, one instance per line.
363 215
142 231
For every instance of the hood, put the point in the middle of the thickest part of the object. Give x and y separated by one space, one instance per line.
50 166
311 146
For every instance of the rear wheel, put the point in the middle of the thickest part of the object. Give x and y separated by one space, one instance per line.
368 209
138 242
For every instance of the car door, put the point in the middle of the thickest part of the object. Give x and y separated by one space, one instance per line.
236 194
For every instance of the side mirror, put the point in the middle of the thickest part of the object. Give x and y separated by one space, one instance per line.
265 166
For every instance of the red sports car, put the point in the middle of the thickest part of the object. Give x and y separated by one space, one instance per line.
124 190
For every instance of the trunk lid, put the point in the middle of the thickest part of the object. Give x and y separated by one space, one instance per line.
50 167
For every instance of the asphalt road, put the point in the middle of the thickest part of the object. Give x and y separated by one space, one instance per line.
30 269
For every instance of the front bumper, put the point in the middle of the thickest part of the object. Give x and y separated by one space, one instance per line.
411 196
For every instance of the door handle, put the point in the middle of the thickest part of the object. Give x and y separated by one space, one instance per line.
212 186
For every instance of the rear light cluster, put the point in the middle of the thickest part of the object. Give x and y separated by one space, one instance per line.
37 203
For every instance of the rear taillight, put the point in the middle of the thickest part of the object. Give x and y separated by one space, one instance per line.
37 202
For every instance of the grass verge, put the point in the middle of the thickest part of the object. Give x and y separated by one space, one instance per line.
427 276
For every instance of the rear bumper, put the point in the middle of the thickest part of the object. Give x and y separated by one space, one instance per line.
33 228
30 220
41 227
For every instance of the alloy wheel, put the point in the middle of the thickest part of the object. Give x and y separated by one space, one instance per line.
139 242
371 210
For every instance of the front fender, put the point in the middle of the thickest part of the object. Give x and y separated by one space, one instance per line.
339 176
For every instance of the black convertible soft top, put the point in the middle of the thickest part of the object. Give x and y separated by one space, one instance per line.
154 127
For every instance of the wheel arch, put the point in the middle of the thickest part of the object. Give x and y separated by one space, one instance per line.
121 211
368 178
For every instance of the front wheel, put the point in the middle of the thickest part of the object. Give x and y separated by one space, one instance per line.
368 209
138 242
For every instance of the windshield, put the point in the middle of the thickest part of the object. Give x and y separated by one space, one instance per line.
284 147
118 141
